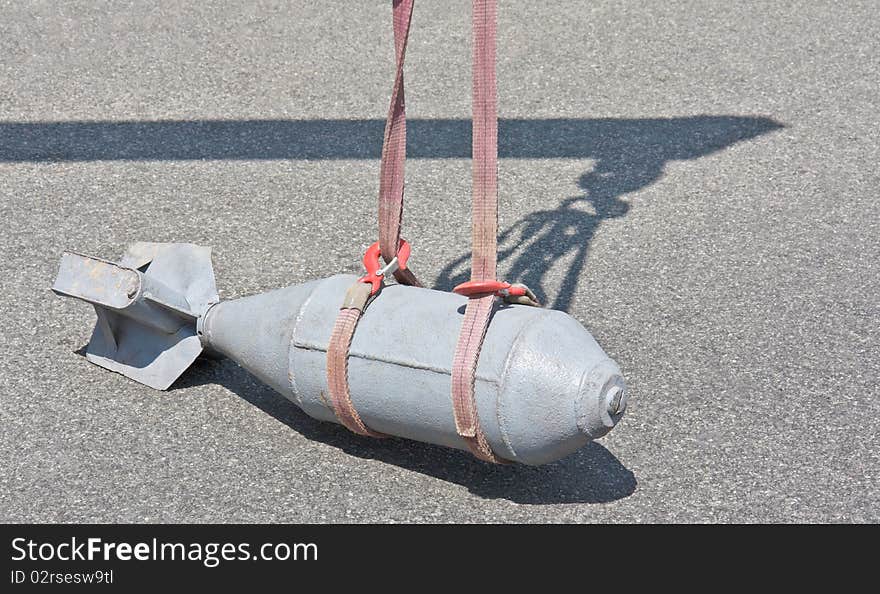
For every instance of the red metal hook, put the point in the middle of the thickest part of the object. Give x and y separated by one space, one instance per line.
375 275
484 287
499 288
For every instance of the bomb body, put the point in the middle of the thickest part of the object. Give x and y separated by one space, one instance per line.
543 389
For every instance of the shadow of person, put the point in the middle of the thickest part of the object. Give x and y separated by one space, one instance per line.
591 475
629 156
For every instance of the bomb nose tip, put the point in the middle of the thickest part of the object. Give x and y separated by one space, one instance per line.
615 400
602 399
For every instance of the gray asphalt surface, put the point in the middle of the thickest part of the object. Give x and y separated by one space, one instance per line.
698 179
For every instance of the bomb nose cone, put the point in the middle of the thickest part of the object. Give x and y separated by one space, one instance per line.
556 385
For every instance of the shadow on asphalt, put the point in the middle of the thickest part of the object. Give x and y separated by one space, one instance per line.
627 154
642 143
591 475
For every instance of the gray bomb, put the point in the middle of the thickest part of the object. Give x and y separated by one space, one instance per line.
544 387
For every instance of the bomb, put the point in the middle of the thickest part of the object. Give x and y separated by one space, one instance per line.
543 389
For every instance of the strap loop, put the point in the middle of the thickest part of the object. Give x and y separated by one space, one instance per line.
481 300
337 360
390 245
356 300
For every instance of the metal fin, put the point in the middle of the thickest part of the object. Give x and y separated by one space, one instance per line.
147 307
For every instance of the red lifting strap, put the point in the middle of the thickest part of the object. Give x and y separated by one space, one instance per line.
337 362
483 287
391 172
390 217
478 312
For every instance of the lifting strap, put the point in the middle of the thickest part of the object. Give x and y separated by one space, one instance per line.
484 230
337 360
391 182
391 172
483 288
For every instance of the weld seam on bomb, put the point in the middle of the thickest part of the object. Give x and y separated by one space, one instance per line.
398 362
291 370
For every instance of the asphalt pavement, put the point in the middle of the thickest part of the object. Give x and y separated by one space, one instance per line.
694 181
